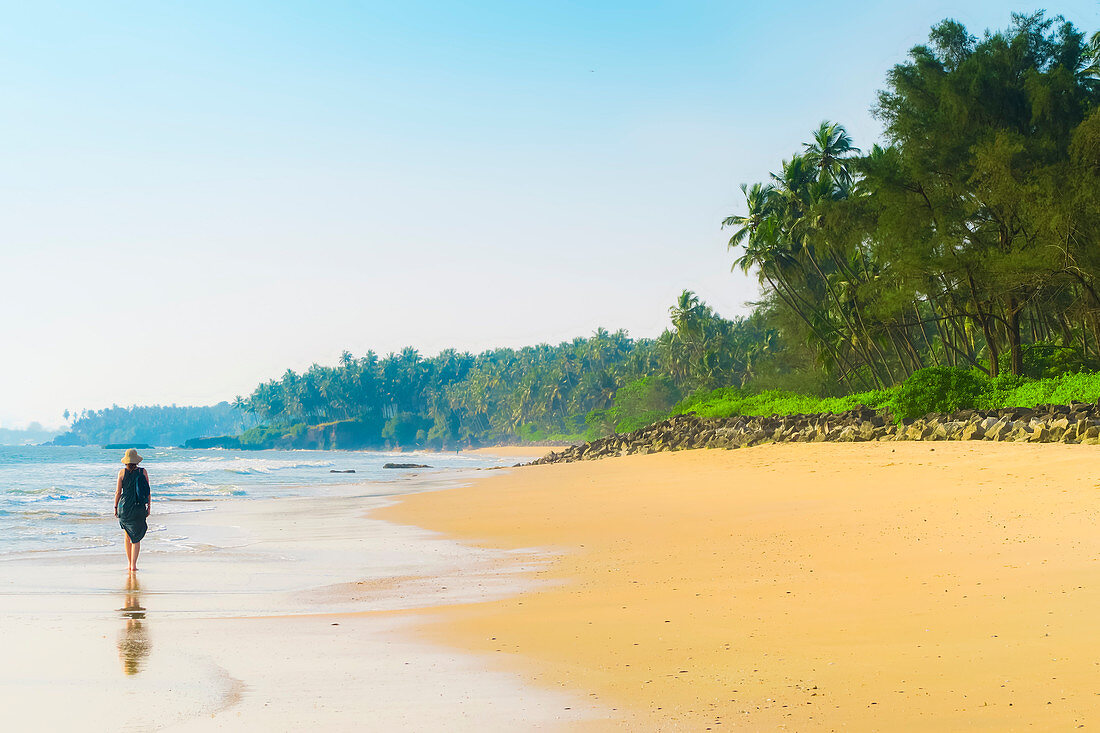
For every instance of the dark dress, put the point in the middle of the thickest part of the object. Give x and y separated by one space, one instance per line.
131 505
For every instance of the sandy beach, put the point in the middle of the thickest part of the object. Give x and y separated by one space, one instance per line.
280 614
573 367
873 586
868 586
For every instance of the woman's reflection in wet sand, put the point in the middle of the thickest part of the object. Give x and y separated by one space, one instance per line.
133 640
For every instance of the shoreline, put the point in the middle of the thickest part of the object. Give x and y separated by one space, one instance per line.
285 612
57 501
892 586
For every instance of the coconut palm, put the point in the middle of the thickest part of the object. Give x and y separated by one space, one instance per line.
831 151
759 206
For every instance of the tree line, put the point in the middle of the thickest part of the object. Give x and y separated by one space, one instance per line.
968 238
161 425
534 393
455 398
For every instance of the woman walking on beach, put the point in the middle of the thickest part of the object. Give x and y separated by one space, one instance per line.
132 505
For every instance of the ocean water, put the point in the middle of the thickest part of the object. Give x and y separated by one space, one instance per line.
60 498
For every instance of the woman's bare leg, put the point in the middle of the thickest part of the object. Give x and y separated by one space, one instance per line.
126 542
136 546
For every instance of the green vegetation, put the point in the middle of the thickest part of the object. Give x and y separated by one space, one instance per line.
928 390
153 424
970 239
263 436
939 389
731 401
635 405
955 266
536 393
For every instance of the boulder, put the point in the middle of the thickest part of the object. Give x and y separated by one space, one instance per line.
918 432
1078 422
1041 434
1021 433
755 437
999 430
972 431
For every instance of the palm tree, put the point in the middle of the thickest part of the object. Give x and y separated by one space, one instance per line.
830 152
777 238
686 314
759 205
1091 69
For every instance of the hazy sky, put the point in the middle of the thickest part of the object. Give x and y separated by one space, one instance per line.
197 196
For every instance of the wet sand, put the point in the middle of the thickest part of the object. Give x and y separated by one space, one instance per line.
276 615
872 586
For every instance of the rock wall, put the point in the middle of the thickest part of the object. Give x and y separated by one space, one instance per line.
1077 422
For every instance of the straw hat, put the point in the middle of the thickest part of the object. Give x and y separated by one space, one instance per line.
131 456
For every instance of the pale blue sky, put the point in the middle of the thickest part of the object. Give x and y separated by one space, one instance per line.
245 187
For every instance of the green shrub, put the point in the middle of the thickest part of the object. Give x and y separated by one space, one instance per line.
265 436
1079 387
641 402
722 400
403 429
935 389
939 389
1006 390
1043 359
1011 391
635 405
531 433
729 401
598 423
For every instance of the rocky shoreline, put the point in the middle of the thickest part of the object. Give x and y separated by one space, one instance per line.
1077 422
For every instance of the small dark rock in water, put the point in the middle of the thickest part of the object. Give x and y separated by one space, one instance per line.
405 465
348 470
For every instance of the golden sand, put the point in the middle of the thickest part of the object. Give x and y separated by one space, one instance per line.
872 586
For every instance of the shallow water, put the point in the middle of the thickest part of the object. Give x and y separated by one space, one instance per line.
264 614
59 498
